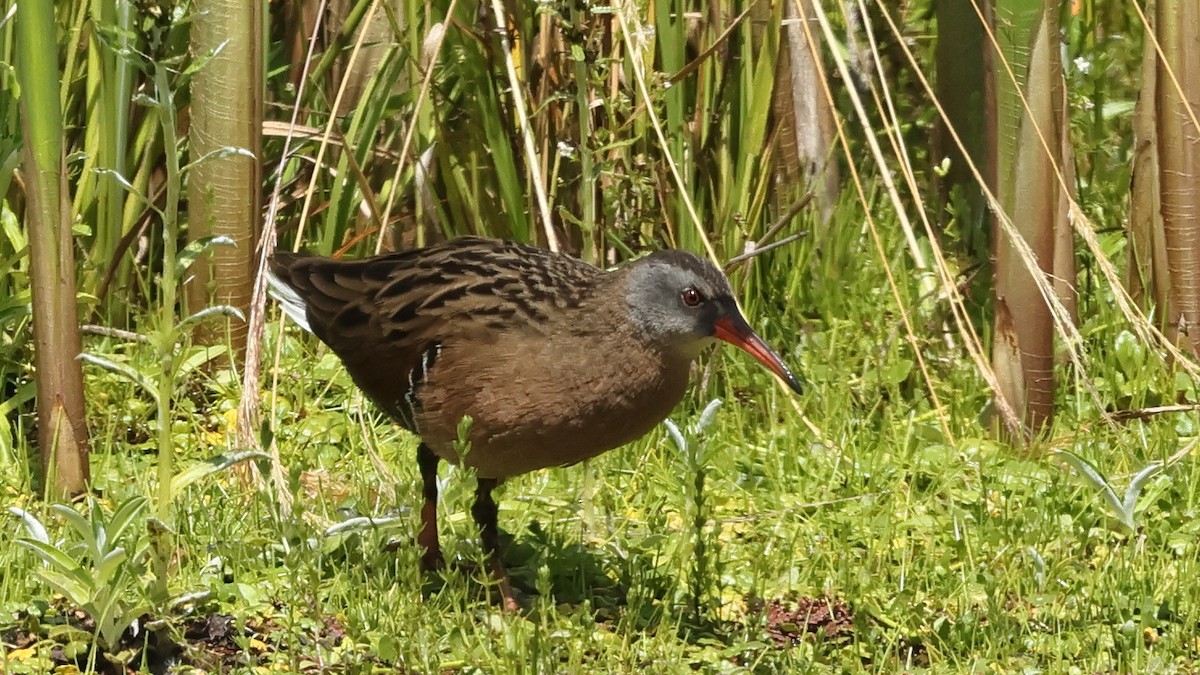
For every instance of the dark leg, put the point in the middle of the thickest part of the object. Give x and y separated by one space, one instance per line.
431 555
484 510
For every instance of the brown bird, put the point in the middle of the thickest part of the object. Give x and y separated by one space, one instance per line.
552 359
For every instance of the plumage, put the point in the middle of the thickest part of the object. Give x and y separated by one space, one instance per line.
553 359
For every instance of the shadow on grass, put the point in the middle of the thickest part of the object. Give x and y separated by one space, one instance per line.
542 567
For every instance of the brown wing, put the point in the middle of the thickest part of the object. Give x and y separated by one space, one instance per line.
387 317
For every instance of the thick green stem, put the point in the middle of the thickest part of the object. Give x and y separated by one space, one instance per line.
166 336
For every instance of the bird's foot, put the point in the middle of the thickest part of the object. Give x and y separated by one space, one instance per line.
500 575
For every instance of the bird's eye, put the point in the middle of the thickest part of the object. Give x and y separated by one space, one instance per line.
692 297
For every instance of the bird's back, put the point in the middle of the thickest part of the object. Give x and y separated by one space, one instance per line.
403 296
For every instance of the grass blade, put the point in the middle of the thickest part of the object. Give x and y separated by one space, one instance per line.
210 466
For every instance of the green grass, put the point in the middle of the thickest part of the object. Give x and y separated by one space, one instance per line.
951 555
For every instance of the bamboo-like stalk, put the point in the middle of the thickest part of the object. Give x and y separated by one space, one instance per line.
225 187
1029 192
626 21
1176 98
1148 274
803 117
62 425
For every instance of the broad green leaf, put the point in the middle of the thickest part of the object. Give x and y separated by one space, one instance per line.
897 371
14 234
23 395
198 355
81 525
33 526
15 308
76 591
52 555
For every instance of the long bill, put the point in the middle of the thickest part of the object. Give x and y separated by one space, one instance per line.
735 331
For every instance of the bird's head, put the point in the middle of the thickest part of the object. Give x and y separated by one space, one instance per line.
682 303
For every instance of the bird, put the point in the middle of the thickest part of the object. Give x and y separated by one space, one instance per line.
549 359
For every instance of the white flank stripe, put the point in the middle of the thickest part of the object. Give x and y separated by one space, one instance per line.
289 301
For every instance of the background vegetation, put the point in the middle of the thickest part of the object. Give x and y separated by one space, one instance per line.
989 470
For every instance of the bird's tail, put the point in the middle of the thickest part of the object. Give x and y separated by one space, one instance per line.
290 301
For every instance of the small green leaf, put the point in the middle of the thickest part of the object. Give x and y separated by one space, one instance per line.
1083 468
14 233
197 248
129 187
389 650
202 60
125 515
211 312
123 370
1129 352
16 309
108 566
360 523
462 446
219 153
1134 491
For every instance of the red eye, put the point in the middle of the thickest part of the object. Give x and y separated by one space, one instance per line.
692 297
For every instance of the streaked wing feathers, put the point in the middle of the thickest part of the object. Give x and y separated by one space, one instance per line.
387 316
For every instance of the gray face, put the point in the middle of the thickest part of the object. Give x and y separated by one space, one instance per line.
676 298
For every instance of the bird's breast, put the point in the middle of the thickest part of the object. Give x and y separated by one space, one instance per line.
540 403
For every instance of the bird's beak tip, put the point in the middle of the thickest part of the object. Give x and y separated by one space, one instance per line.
794 384
737 332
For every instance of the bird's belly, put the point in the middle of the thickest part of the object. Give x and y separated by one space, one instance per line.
536 421
535 445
